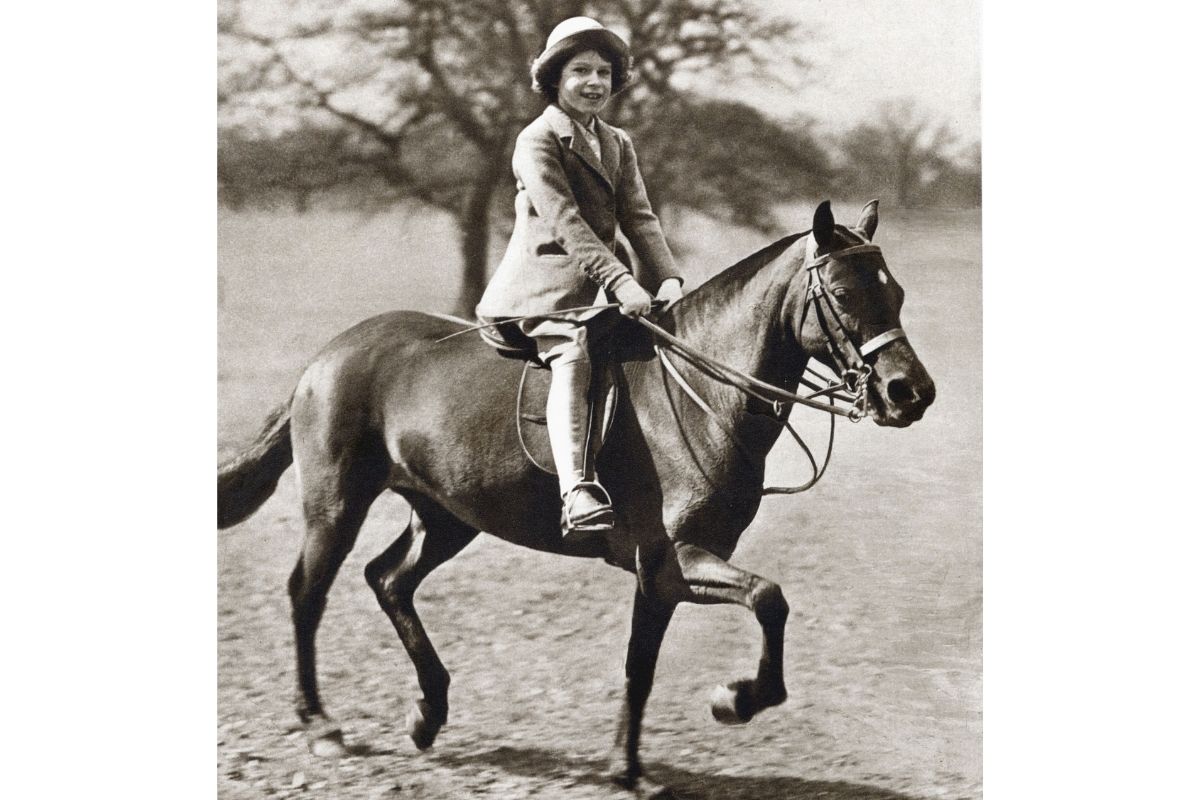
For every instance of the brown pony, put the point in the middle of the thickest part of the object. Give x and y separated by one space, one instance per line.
383 407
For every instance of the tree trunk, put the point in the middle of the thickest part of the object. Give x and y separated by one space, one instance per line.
906 174
903 185
474 225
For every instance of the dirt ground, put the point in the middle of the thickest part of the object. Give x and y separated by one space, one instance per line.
881 564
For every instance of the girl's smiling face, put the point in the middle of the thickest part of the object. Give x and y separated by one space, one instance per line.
585 85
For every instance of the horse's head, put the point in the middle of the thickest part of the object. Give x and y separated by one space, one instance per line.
844 310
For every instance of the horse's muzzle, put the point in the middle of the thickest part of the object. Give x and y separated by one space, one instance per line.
906 403
900 396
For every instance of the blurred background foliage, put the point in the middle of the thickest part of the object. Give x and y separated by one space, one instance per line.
372 103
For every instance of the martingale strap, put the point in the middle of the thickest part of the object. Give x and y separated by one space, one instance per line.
817 471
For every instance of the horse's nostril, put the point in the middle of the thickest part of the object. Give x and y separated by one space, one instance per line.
900 392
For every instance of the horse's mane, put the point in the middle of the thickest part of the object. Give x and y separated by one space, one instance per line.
760 258
716 288
747 267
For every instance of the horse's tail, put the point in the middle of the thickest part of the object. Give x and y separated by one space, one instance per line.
245 481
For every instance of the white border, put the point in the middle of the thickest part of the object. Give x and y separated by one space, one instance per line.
1090 565
110 332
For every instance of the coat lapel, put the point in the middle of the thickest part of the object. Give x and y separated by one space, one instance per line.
566 128
611 150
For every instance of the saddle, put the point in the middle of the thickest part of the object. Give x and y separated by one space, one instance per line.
627 342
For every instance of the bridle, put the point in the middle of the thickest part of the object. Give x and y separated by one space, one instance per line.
850 387
849 358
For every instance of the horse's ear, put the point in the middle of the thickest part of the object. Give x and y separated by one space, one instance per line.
823 224
868 221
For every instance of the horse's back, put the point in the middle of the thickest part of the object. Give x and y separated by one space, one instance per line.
396 329
400 365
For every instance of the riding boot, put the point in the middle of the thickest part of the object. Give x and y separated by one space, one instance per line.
586 505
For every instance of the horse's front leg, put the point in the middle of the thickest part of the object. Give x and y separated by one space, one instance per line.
708 579
650 620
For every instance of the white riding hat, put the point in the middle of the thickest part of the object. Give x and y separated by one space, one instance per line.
567 36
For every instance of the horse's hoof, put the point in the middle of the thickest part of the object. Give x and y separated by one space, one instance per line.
328 745
641 787
724 705
649 790
423 726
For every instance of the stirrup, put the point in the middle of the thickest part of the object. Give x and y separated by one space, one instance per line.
599 520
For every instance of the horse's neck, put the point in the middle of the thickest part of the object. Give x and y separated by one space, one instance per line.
738 318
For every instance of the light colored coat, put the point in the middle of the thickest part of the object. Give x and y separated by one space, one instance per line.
569 204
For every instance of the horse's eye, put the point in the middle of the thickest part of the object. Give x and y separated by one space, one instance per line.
843 296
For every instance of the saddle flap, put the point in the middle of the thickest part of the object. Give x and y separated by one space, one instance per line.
531 412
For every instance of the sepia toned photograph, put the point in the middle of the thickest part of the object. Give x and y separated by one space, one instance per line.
599 399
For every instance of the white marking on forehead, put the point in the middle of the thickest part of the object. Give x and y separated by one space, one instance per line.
883 278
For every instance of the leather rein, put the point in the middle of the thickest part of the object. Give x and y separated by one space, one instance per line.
850 387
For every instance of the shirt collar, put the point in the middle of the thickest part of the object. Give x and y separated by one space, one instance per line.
563 125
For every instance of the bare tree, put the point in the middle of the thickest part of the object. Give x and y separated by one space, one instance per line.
900 154
422 100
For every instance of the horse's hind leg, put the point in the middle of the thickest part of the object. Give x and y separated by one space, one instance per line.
433 537
334 510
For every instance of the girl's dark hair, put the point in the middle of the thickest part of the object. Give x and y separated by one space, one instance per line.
547 74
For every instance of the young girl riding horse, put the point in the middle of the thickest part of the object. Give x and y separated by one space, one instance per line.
577 181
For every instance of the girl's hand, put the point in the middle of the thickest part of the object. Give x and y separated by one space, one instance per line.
670 291
635 301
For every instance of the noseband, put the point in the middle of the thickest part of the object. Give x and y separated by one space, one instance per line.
850 358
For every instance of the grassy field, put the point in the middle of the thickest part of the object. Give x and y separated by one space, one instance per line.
881 564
